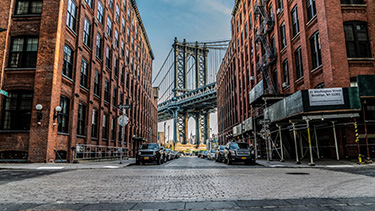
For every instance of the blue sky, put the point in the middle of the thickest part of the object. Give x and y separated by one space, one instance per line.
193 20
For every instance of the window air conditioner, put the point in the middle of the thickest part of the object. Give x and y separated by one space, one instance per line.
285 84
251 78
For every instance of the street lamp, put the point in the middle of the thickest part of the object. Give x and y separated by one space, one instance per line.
39 115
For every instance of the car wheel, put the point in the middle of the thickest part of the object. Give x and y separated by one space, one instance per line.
229 162
137 162
143 163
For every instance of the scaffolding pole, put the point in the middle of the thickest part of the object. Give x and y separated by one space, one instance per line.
335 137
295 143
316 142
310 147
281 144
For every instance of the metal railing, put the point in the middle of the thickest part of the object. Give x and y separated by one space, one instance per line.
87 152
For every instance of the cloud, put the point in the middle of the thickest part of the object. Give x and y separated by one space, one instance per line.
215 5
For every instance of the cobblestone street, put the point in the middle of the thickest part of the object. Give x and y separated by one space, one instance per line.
188 179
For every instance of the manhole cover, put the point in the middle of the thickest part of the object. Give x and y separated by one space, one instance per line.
298 173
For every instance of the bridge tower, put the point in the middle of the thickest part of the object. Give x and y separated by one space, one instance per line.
182 52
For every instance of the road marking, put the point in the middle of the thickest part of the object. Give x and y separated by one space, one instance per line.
111 167
49 168
339 166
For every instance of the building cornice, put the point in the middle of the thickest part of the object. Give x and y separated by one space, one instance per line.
135 7
236 7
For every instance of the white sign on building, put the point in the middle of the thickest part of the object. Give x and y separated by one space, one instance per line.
326 97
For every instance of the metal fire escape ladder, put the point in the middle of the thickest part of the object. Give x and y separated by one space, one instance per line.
266 26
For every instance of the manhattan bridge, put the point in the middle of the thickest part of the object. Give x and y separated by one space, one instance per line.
187 87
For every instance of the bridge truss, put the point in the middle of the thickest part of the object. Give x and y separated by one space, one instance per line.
187 86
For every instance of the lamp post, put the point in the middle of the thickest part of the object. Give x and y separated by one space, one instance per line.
123 120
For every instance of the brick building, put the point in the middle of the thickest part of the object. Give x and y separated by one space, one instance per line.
283 48
67 66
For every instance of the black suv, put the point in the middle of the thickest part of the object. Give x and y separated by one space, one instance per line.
219 154
149 153
238 152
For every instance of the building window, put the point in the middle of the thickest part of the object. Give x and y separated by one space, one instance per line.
357 42
114 96
84 73
23 52
25 7
352 2
275 81
17 110
316 56
89 2
106 91
110 4
97 83
64 115
311 9
98 46
280 4
108 58
94 124
282 35
285 72
109 27
86 33
105 127
295 25
115 66
81 120
123 25
71 15
100 12
116 38
68 62
113 135
270 10
299 66
122 48
117 13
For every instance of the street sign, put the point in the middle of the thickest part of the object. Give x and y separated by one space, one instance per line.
4 92
123 120
264 121
124 106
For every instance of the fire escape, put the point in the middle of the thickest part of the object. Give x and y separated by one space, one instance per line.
269 55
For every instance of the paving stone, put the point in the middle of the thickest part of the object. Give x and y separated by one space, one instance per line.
262 203
160 206
109 206
211 205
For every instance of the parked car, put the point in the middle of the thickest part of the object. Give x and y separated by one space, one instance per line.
200 153
176 154
238 152
219 154
168 154
211 155
149 153
204 154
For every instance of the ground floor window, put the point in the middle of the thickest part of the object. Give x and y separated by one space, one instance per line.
16 156
60 156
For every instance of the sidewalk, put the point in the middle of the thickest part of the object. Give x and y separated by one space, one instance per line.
114 164
319 163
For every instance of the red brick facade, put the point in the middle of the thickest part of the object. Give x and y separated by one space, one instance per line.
336 69
47 81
